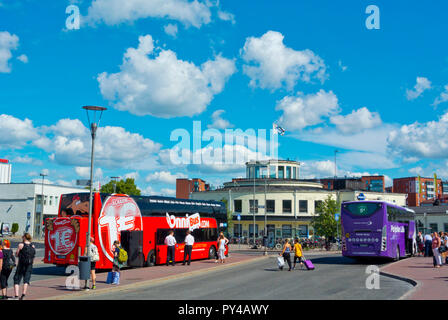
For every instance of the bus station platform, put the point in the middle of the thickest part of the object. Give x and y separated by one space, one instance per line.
56 289
430 283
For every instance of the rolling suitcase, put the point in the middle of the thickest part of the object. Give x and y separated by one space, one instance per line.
308 264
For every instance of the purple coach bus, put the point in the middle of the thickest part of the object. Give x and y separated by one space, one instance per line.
377 229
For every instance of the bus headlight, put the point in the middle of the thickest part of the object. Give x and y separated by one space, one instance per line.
384 238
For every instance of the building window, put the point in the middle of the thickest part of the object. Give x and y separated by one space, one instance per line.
45 200
317 204
302 231
272 172
303 205
445 227
251 230
251 206
56 201
270 206
287 206
288 172
281 172
237 205
286 231
237 230
433 227
51 200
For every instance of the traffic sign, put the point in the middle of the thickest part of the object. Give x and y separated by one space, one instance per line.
337 216
238 217
361 197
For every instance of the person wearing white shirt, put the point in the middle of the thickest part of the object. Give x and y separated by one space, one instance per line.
428 245
189 241
170 241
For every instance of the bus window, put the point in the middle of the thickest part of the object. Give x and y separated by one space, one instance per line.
362 209
75 204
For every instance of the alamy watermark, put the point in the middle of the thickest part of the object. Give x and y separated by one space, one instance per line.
373 278
212 146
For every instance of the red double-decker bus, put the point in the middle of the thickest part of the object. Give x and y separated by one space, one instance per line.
154 216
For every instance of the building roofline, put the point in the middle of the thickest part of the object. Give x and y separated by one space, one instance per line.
39 184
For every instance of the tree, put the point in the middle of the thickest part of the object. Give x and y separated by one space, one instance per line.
325 224
123 186
229 215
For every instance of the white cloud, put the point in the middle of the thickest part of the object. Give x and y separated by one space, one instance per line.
15 133
84 172
226 16
114 146
443 97
343 68
422 85
27 160
218 122
171 29
112 12
148 191
302 111
8 42
271 65
426 140
370 140
162 85
23 58
417 171
168 192
357 121
132 175
164 177
366 160
317 169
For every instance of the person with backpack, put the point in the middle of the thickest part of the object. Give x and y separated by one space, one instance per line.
25 252
9 262
120 258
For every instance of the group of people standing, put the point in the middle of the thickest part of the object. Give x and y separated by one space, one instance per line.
433 245
25 256
171 242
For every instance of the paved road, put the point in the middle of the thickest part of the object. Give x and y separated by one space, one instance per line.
335 278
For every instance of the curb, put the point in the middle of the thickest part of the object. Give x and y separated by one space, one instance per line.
416 284
151 282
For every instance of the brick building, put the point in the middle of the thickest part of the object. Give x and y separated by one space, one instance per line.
427 193
184 187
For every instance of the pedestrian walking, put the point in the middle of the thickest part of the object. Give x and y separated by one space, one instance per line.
189 241
420 244
298 254
94 258
286 253
437 259
25 252
170 241
7 265
428 244
222 242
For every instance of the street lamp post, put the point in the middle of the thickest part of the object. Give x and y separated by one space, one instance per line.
93 125
43 175
115 183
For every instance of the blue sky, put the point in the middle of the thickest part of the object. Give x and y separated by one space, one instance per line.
378 96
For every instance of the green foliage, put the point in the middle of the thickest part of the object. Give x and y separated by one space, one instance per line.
325 224
229 214
14 227
123 186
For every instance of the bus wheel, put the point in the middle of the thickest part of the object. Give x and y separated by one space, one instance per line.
212 252
397 255
151 259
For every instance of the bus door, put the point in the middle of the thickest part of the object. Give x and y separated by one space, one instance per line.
161 247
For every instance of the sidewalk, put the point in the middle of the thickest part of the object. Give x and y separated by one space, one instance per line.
432 283
55 288
245 247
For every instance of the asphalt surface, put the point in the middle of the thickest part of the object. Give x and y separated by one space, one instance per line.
335 278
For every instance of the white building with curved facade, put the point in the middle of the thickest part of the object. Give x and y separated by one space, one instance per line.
284 204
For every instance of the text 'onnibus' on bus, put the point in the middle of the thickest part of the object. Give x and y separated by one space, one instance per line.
145 221
377 229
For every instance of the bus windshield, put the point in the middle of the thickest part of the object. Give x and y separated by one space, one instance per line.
362 209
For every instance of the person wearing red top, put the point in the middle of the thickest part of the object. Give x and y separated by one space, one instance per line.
436 242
